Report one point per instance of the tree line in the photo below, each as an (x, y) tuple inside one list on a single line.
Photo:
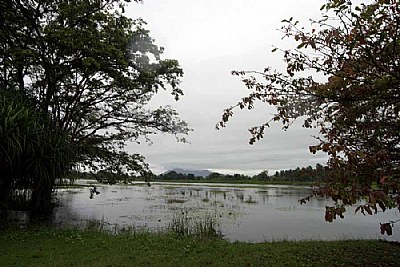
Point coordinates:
[(303, 174), (300, 174)]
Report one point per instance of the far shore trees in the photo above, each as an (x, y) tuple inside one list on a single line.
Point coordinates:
[(89, 72), (356, 109)]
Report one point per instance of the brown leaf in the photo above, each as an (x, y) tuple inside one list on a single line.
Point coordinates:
[(328, 216), (381, 205), (357, 209), (386, 227), (372, 199), (368, 209)]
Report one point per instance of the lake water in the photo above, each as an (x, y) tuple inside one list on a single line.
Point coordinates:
[(252, 213)]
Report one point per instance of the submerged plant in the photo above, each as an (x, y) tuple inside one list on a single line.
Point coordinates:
[(250, 200), (175, 200)]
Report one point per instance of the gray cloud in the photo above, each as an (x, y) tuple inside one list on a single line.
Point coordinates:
[(210, 39)]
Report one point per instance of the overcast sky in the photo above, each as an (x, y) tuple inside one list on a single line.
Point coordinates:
[(210, 38)]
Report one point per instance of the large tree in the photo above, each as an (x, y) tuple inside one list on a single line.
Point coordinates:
[(344, 79), (92, 71)]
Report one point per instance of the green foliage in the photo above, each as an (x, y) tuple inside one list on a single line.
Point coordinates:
[(262, 176), (32, 153), (215, 176), (94, 71), (173, 175), (304, 174), (356, 109), (89, 73)]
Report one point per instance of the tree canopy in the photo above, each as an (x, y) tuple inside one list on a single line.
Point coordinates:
[(344, 79), (92, 72)]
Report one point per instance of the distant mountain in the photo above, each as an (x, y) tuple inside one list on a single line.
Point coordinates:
[(202, 173)]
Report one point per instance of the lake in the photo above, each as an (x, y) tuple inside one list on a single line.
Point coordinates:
[(251, 213)]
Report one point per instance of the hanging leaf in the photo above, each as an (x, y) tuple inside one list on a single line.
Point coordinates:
[(386, 228)]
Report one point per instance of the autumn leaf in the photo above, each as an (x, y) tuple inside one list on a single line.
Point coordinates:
[(386, 228)]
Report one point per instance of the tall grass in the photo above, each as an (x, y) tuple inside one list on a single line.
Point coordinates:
[(200, 226)]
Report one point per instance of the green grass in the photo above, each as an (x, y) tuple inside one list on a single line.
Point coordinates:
[(69, 247)]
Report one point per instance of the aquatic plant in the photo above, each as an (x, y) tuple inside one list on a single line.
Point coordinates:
[(175, 200), (250, 200), (206, 199), (200, 226)]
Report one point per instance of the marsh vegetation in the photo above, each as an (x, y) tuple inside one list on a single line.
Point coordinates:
[(253, 213)]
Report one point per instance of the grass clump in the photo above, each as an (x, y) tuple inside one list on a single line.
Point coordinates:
[(203, 227)]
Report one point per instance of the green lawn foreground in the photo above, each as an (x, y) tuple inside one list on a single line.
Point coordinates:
[(72, 247)]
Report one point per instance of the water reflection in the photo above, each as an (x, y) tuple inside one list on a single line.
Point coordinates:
[(246, 213)]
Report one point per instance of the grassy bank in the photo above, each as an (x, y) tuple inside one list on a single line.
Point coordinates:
[(69, 247)]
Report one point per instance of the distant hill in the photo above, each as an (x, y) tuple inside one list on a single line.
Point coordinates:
[(202, 173)]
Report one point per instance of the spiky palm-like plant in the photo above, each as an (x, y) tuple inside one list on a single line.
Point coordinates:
[(32, 153)]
